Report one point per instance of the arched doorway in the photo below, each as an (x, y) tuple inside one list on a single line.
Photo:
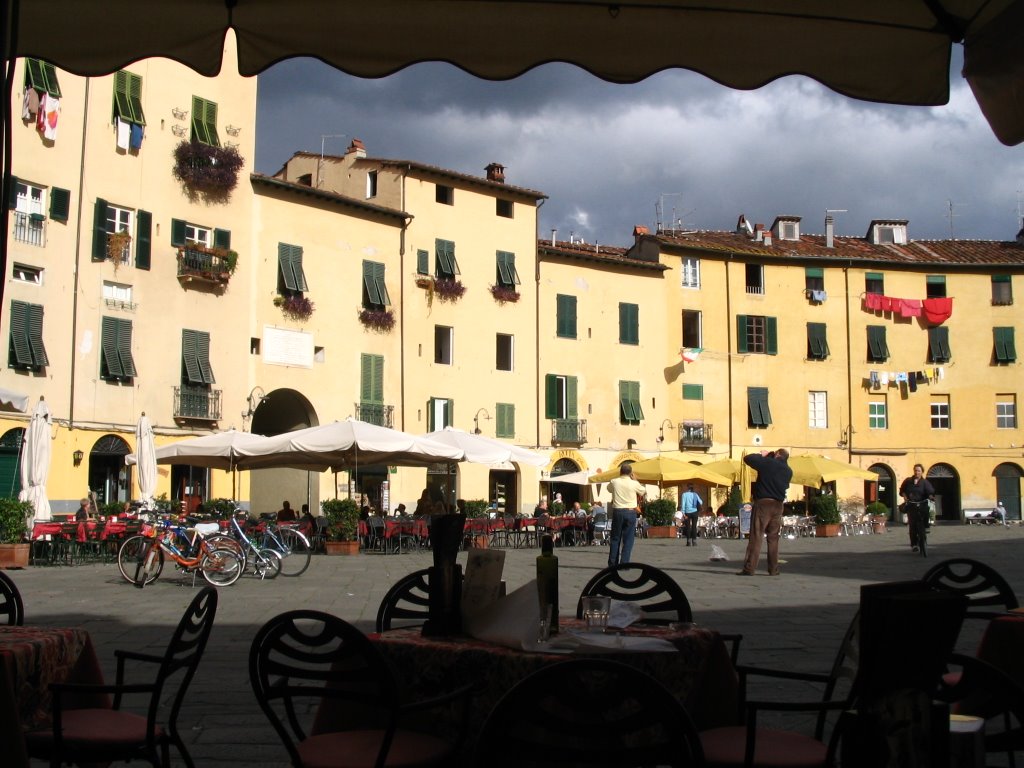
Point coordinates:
[(570, 492), (280, 411), (1008, 489), (10, 462), (946, 482), (109, 478), (884, 490)]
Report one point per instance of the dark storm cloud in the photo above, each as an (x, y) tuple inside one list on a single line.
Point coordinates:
[(676, 148)]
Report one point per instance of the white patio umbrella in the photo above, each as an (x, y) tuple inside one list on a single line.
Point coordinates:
[(345, 445), (217, 451), (35, 461), (13, 401), (145, 457), (486, 450), (572, 478)]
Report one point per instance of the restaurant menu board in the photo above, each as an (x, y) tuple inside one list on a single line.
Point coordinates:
[(481, 586)]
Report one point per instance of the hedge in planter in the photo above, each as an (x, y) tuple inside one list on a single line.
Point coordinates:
[(14, 517), (659, 515)]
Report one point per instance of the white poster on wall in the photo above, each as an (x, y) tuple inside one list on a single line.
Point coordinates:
[(286, 347)]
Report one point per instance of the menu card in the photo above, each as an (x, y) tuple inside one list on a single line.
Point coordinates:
[(481, 586)]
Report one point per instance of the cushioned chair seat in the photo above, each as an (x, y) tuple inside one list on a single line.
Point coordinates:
[(724, 748), (355, 749), (106, 729)]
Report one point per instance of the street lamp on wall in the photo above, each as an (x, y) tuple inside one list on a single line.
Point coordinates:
[(476, 420), (661, 429), (77, 457)]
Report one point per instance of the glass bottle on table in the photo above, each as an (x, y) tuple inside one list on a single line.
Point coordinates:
[(547, 581)]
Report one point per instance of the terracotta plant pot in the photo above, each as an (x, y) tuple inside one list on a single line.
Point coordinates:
[(341, 547), (661, 532), (14, 555), (828, 529)]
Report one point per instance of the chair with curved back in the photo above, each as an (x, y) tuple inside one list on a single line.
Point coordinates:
[(10, 602), (102, 735), (407, 603), (988, 594), (310, 662), (662, 599), (588, 712)]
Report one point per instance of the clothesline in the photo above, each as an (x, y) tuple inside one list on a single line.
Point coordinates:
[(905, 380), (936, 310)]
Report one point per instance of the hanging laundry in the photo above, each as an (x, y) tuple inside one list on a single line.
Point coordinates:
[(884, 378), (912, 382), (872, 302), (886, 303), (910, 307), (941, 371), (690, 354), (30, 104), (819, 296), (49, 111), (137, 132), (123, 131), (873, 378), (937, 311), (901, 377)]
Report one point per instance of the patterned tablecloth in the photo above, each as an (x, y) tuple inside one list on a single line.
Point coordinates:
[(699, 671), (30, 659)]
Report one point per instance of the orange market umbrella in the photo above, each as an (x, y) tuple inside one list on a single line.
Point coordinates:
[(665, 472), (815, 471)]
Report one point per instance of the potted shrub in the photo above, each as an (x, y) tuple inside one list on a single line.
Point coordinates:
[(14, 548), (476, 532), (342, 526), (826, 514), (659, 514), (879, 514)]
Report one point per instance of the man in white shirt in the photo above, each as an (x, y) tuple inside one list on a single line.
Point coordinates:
[(626, 493)]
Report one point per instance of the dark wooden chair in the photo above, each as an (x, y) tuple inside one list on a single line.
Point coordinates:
[(588, 712), (95, 735), (311, 662), (988, 594), (11, 605), (661, 598), (407, 603)]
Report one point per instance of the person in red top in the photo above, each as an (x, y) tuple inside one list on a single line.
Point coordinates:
[(286, 514)]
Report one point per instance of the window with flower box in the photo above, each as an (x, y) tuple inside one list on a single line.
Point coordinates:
[(204, 122)]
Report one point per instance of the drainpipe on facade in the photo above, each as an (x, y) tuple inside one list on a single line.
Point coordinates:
[(536, 321), (78, 258), (849, 369), (401, 320), (728, 347)]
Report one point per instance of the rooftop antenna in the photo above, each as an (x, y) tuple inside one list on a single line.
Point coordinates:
[(950, 215), (323, 140), (675, 224)]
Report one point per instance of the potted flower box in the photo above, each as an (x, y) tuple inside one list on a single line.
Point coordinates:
[(342, 526)]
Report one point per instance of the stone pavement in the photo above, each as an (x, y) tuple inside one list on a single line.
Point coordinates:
[(794, 621)]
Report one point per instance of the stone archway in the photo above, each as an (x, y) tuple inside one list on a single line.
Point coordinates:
[(946, 481), (885, 490), (280, 411), (1008, 478), (569, 493)]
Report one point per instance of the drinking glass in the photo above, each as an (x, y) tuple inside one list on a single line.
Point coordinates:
[(595, 612)]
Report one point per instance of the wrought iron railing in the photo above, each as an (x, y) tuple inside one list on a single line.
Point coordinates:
[(376, 413), (569, 431), (197, 403), (29, 227)]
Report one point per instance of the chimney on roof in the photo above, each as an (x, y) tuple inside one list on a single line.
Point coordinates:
[(639, 231), (356, 148), (767, 237), (758, 233), (743, 226), (830, 231), (496, 172)]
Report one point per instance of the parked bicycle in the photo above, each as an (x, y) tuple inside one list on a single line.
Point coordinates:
[(264, 561), (141, 558), (287, 540)]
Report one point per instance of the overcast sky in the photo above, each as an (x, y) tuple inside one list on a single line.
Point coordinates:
[(610, 156)]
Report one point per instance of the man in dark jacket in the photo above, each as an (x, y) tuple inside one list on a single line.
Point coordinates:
[(773, 478)]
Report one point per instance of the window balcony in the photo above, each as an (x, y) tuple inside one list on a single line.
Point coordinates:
[(568, 431), (29, 228), (206, 265), (376, 413), (695, 434), (197, 403)]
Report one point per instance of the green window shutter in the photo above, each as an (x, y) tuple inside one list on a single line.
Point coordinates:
[(143, 239), (878, 350), (99, 230), (757, 404), (817, 341), (693, 391), (507, 274), (382, 288), (135, 98), (222, 239), (42, 76), (124, 347), (109, 348), (188, 356), (741, 334), (20, 351), (50, 75), (371, 378), (422, 262), (204, 121), (626, 415), (449, 413), (634, 398), (431, 426), (935, 280), (570, 397), (874, 276), (12, 194), (35, 335), (60, 204), (938, 344), (1000, 278), (505, 415), (122, 107), (370, 285), (1006, 351), (551, 396), (445, 265), (771, 335), (203, 356), (289, 258), (177, 233), (210, 118), (814, 272), (565, 310), (629, 323)]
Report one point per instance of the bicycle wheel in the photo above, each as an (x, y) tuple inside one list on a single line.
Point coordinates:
[(149, 565), (225, 541), (221, 567), (296, 554), (266, 563), (129, 553)]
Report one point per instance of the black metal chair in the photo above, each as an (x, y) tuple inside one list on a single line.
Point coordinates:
[(333, 701), (988, 594), (588, 712), (10, 602), (661, 598), (96, 735), (407, 603)]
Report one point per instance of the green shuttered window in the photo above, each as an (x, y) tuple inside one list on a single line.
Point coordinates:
[(289, 259), (26, 348), (629, 323), (128, 98), (817, 341), (757, 406), (630, 411), (195, 354), (1005, 350), (878, 350), (505, 418), (565, 316), (507, 277), (938, 345), (375, 292), (204, 122), (116, 361)]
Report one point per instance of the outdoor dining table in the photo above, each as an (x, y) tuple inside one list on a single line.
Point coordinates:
[(30, 659), (699, 672)]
